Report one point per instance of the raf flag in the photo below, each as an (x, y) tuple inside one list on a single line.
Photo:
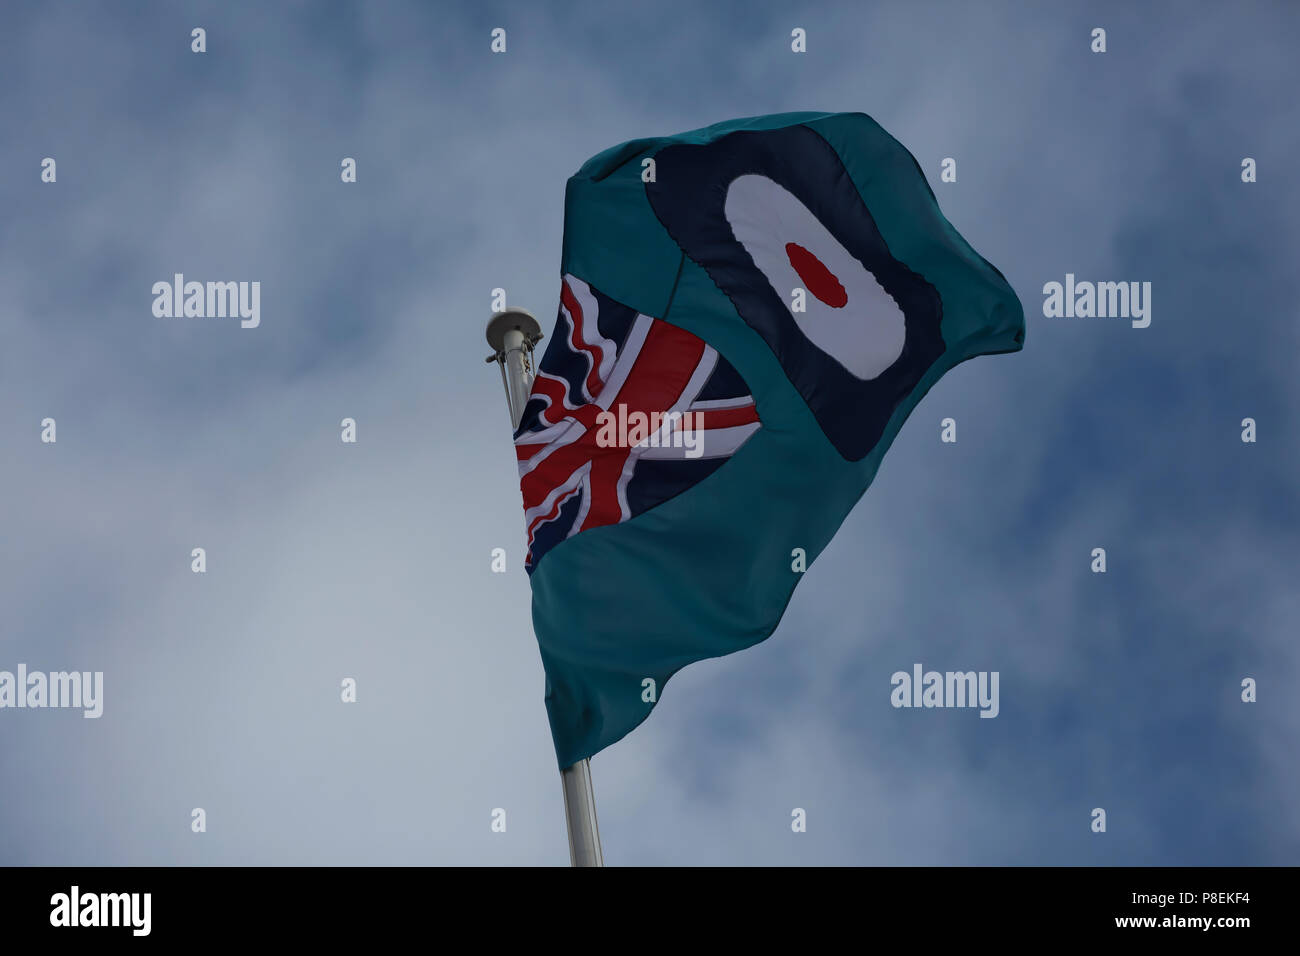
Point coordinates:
[(748, 314)]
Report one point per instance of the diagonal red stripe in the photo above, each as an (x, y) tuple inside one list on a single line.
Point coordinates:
[(594, 384)]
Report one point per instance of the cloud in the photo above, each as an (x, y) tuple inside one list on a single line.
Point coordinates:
[(372, 561)]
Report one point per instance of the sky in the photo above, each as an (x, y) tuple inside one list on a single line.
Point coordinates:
[(371, 560)]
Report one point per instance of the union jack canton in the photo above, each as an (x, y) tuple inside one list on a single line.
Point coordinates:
[(606, 363)]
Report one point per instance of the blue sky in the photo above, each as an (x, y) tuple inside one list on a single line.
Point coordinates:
[(372, 561)]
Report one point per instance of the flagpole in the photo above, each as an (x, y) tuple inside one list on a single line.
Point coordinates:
[(512, 335)]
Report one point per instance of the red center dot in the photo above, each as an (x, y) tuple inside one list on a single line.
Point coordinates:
[(819, 280)]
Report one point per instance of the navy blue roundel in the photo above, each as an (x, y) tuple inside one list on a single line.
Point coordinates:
[(767, 212)]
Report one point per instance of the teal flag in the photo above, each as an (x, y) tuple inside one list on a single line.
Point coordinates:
[(748, 314)]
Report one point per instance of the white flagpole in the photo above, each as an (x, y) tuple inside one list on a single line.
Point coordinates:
[(512, 335)]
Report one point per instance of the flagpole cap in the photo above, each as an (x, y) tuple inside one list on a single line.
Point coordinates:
[(512, 320)]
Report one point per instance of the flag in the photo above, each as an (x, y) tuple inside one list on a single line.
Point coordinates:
[(748, 314)]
